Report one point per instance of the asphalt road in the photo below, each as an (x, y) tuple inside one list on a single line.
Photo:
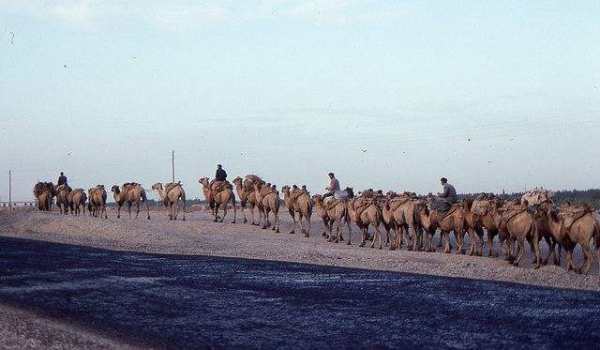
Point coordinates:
[(211, 302)]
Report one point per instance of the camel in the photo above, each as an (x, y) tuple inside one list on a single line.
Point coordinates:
[(97, 200), (518, 221), (267, 199), (451, 221), (572, 225), (298, 201), (333, 211), (130, 193), (365, 211), (401, 211), (321, 212), (77, 199), (246, 193), (44, 192), (221, 196), (62, 198), (474, 229), (484, 208), (170, 195)]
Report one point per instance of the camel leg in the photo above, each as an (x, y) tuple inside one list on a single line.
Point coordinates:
[(293, 215), (459, 234), (118, 211), (378, 232), (446, 239), (490, 244), (276, 213), (129, 209), (535, 245), (589, 258), (234, 211), (349, 233), (137, 209), (104, 210), (307, 230), (325, 223), (224, 211), (520, 251)]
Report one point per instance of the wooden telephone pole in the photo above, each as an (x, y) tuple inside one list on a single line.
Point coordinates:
[(173, 166)]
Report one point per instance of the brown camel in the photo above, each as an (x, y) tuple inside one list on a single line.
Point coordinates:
[(451, 221), (77, 199), (334, 212), (267, 200), (44, 192), (221, 196), (97, 199), (247, 195), (485, 210), (298, 201), (474, 229), (401, 210), (572, 225), (518, 221), (170, 195), (321, 212), (130, 193), (364, 211), (62, 198)]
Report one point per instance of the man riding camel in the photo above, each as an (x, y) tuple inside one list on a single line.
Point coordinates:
[(217, 182), (447, 197), (62, 179), (334, 186)]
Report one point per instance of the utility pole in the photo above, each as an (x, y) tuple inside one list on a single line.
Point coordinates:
[(10, 191), (173, 166)]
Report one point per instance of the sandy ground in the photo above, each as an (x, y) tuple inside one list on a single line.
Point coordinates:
[(20, 330), (200, 236)]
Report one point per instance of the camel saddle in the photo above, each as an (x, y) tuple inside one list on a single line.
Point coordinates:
[(398, 201), (218, 186), (331, 202), (573, 214)]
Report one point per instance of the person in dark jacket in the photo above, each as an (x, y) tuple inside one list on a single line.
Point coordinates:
[(62, 179), (221, 174), (447, 197)]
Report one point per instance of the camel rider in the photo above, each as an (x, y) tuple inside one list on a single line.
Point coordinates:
[(62, 179), (447, 197), (334, 186), (215, 184)]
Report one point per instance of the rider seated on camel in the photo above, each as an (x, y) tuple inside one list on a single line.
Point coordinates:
[(219, 180), (334, 186), (447, 197)]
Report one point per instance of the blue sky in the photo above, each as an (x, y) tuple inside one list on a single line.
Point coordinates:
[(502, 95)]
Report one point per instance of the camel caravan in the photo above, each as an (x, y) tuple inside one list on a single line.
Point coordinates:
[(395, 220)]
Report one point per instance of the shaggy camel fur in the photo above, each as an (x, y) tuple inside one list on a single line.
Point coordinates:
[(267, 200), (171, 194), (97, 201), (130, 193), (298, 201), (77, 199), (221, 197), (247, 195)]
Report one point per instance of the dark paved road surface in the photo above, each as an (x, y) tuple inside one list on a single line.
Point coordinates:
[(199, 302)]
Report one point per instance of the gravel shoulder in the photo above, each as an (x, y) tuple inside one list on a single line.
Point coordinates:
[(200, 236), (22, 330)]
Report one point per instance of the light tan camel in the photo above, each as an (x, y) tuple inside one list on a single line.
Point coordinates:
[(62, 198), (451, 221), (44, 192), (364, 211), (247, 195), (572, 225), (97, 200), (267, 199), (333, 212), (401, 210), (170, 195), (221, 196), (130, 193), (474, 229), (485, 208), (518, 221), (298, 201), (77, 199)]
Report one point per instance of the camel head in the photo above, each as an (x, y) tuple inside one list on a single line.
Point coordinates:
[(318, 199), (237, 181), (115, 189), (286, 190), (157, 187), (204, 181)]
